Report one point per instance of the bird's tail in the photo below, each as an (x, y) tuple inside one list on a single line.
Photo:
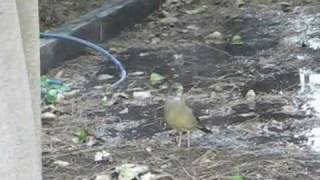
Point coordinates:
[(204, 129)]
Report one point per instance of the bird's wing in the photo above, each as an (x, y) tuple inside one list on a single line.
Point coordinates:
[(195, 119), (198, 123)]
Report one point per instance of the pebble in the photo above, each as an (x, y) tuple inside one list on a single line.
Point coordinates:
[(102, 156), (124, 111), (169, 20), (142, 94), (48, 116), (240, 3), (103, 177), (138, 73), (72, 93), (61, 163), (104, 77), (193, 27), (251, 95), (215, 37)]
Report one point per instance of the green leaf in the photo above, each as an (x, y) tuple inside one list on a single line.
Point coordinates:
[(238, 177), (236, 39), (126, 173), (156, 78), (104, 100), (52, 89), (83, 135), (52, 95)]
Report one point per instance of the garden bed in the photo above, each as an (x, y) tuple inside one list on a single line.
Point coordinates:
[(219, 51)]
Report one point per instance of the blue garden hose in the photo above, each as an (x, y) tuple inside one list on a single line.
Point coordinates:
[(123, 73)]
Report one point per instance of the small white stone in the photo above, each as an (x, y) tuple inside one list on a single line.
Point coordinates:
[(60, 98), (103, 177), (131, 171), (48, 116), (155, 40), (72, 93), (169, 20), (104, 77), (91, 141), (98, 87), (314, 43), (138, 73), (61, 163), (178, 56), (251, 95), (193, 27), (148, 176), (102, 156), (215, 37), (143, 54), (124, 111), (142, 94), (149, 149)]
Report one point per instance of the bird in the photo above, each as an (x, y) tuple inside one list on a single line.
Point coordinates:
[(179, 116)]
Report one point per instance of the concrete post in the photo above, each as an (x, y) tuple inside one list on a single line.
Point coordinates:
[(19, 91)]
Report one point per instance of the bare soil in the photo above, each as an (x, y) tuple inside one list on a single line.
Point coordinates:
[(264, 138), (54, 13)]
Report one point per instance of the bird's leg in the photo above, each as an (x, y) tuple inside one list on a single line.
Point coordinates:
[(188, 139), (180, 137)]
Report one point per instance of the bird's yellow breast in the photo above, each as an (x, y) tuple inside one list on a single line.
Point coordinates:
[(178, 115)]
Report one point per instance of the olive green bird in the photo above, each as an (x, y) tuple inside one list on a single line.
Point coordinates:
[(178, 115)]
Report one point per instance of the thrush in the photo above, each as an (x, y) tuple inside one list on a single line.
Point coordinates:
[(179, 116)]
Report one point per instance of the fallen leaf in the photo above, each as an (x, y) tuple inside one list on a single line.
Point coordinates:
[(156, 78), (236, 39), (198, 10), (238, 177), (83, 135)]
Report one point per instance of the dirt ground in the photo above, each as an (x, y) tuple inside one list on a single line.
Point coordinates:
[(57, 12), (219, 50)]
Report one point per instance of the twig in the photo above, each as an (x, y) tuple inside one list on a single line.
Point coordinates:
[(216, 49)]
